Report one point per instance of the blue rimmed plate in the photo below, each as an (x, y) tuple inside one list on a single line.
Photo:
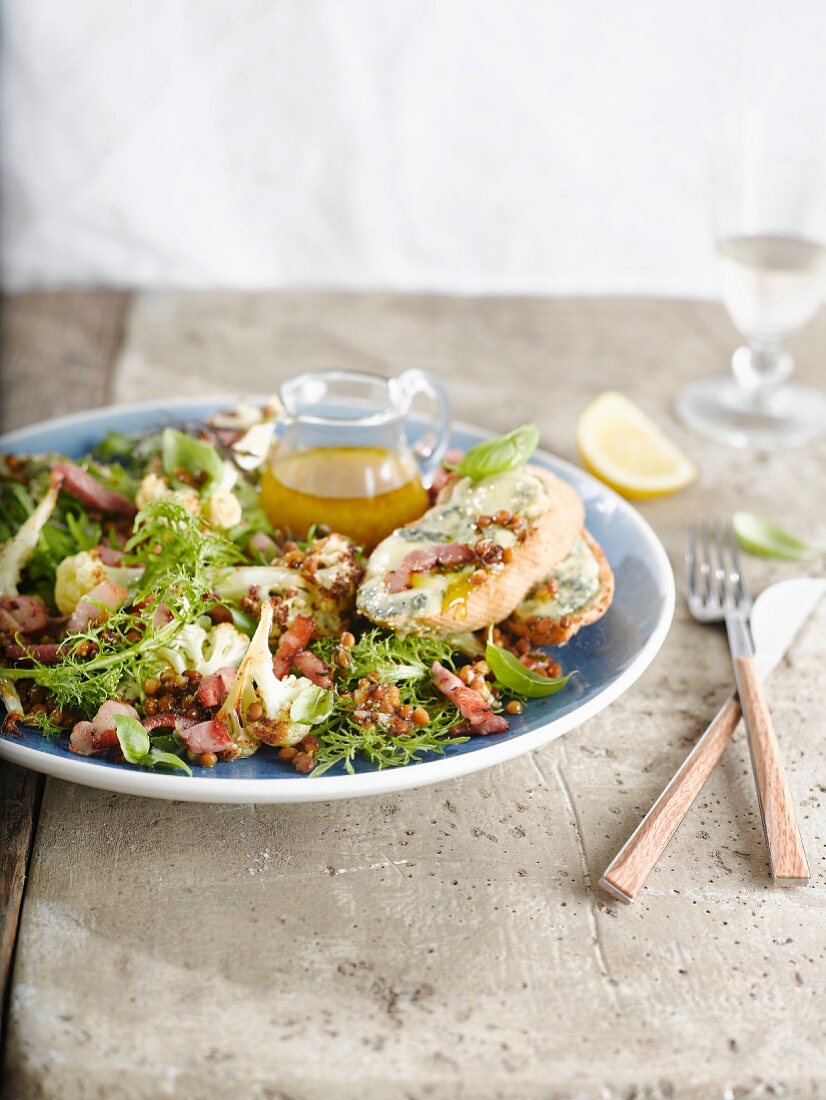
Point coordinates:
[(609, 656)]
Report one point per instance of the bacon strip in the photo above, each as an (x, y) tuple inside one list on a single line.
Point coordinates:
[(213, 689), (47, 653), (312, 666), (108, 593), (425, 559), (470, 703), (90, 492), (168, 720), (211, 736), (291, 643), (23, 614)]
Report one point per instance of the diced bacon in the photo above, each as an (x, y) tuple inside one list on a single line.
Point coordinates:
[(47, 653), (212, 736), (105, 717), (97, 736), (213, 689), (85, 740), (291, 642), (443, 475), (90, 492), (23, 614), (312, 666), (425, 559), (168, 720), (108, 593), (470, 703)]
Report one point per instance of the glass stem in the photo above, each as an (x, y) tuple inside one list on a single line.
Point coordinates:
[(761, 366)]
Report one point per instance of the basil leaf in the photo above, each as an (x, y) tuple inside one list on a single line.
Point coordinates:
[(769, 540), (183, 452), (505, 452), (515, 678), (168, 759), (165, 742), (312, 706), (133, 738)]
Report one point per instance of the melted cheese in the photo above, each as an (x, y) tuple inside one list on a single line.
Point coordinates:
[(453, 520), (578, 579)]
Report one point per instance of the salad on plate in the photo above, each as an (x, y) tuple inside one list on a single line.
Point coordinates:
[(152, 612)]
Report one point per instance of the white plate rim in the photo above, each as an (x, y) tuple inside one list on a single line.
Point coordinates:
[(149, 784)]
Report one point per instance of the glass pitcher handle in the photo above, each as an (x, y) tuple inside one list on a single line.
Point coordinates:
[(430, 447)]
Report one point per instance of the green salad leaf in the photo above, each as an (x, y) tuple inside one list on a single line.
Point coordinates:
[(769, 540), (133, 738), (505, 452), (169, 760), (184, 452), (516, 679), (138, 749), (312, 706)]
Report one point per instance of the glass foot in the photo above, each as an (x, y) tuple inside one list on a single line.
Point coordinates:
[(719, 408)]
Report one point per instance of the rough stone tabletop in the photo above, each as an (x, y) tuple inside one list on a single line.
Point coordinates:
[(451, 941)]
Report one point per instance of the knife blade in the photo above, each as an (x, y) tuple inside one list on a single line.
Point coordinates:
[(778, 614)]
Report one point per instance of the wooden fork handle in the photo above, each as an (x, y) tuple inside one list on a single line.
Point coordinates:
[(787, 859), (632, 865)]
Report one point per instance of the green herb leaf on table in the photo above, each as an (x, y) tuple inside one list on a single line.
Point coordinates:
[(769, 540), (183, 452), (516, 679), (505, 452), (133, 738), (313, 705)]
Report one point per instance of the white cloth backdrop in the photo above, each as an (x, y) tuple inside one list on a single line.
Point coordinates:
[(459, 145)]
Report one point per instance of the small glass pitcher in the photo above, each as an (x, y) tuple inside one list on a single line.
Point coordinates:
[(344, 459)]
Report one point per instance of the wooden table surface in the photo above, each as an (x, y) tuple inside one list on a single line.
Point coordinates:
[(450, 941)]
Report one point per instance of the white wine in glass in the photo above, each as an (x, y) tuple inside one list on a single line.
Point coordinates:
[(770, 220)]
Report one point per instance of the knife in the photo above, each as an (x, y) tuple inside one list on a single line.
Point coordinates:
[(778, 614)]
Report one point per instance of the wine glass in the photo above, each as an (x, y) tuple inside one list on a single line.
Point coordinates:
[(769, 208)]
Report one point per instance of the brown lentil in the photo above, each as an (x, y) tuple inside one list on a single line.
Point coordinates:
[(420, 717), (347, 639), (514, 707), (208, 759)]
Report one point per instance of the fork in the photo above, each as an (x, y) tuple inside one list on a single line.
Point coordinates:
[(716, 593)]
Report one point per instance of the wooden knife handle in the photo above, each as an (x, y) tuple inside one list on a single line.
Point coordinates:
[(632, 865), (787, 859)]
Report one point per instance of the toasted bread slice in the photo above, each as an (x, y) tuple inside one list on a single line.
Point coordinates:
[(551, 612), (442, 598)]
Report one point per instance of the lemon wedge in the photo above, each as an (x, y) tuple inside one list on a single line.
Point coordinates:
[(622, 447)]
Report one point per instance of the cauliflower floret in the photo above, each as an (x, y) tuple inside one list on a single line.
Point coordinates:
[(155, 487), (223, 509), (284, 701), (205, 651), (80, 573), (324, 587), (16, 551)]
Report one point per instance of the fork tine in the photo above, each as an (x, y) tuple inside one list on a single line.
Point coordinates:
[(691, 559), (705, 562), (737, 573), (724, 574)]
